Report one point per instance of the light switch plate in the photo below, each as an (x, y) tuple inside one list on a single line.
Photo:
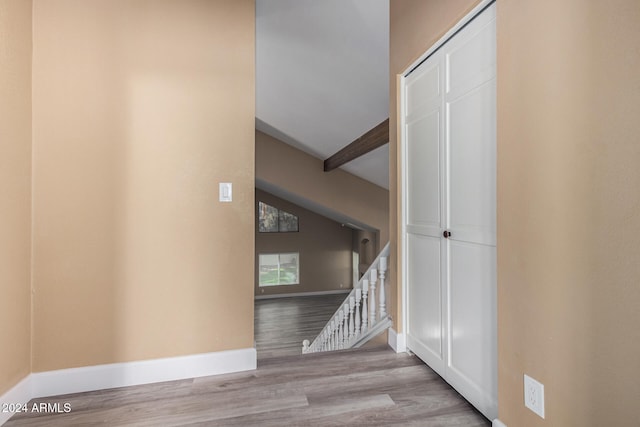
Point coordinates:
[(226, 192)]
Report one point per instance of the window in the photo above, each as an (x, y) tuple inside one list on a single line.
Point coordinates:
[(273, 220), (268, 217), (279, 269), (287, 222)]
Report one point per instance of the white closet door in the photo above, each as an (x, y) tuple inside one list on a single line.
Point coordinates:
[(450, 167), (470, 100), (425, 212)]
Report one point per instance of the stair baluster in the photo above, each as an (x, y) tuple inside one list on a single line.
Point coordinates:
[(340, 329), (345, 326), (327, 338), (382, 265), (352, 326), (334, 334), (357, 311), (372, 305), (365, 298), (359, 318)]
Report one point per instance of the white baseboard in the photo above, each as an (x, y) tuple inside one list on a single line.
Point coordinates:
[(397, 341), (20, 393), (498, 423), (89, 378), (304, 294), (76, 380)]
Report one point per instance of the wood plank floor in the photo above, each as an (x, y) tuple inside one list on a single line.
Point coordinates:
[(281, 324), (370, 386)]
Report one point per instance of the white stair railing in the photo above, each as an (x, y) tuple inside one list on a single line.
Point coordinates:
[(358, 318)]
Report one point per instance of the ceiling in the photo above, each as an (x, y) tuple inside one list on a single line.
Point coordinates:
[(322, 76)]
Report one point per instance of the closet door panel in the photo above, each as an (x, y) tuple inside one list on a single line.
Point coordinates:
[(472, 323), (424, 215), (424, 87), (423, 182), (425, 301), (424, 141), (471, 59), (472, 165)]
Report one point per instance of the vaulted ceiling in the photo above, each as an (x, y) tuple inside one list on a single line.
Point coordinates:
[(322, 76)]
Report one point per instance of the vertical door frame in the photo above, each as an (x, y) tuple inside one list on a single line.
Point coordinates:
[(402, 244)]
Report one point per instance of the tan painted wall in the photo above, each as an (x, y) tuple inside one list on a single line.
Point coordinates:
[(140, 110), (365, 244), (15, 191), (299, 173), (568, 179), (415, 25), (324, 246), (568, 210)]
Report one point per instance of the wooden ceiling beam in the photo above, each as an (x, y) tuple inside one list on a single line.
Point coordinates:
[(374, 138)]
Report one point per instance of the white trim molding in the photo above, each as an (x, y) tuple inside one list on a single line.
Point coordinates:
[(304, 294), (76, 380), (18, 394), (498, 423), (397, 341), (99, 377)]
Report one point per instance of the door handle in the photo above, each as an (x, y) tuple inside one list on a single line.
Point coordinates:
[(446, 234)]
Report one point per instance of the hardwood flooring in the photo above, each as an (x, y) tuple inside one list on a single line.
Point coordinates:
[(372, 386), (281, 324)]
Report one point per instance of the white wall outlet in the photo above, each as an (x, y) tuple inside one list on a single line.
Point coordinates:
[(534, 395)]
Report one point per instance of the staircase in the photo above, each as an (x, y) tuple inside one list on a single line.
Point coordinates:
[(362, 315)]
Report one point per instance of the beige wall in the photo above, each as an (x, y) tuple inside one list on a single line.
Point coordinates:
[(140, 110), (365, 244), (415, 25), (324, 246), (568, 179), (568, 210), (15, 191), (301, 174)]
